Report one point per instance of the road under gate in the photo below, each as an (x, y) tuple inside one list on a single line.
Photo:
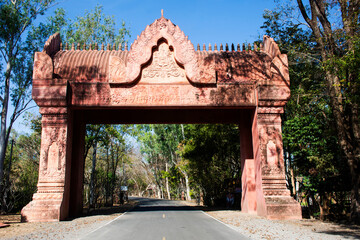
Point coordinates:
[(157, 219)]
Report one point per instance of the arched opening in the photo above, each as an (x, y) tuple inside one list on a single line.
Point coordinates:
[(241, 117)]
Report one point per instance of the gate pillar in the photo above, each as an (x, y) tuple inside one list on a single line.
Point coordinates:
[(273, 197), (51, 201), (248, 183)]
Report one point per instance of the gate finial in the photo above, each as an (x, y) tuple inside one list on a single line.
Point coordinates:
[(162, 13)]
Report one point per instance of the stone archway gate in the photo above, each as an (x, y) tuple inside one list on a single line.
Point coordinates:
[(161, 79)]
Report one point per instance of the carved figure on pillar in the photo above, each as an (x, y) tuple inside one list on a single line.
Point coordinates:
[(278, 202), (48, 201)]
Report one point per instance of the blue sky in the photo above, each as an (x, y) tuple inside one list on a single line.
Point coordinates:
[(211, 21), (206, 22)]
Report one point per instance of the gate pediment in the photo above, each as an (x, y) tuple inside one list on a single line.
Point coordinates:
[(160, 33), (161, 69)]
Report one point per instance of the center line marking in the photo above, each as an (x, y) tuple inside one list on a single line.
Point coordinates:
[(164, 217)]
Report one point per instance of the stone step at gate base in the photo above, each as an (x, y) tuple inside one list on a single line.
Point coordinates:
[(42, 210), (282, 207)]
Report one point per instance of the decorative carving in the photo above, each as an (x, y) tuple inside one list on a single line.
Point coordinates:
[(163, 68), (206, 66), (233, 94), (270, 110), (283, 192), (270, 145), (183, 95), (272, 165), (53, 142), (52, 45), (141, 51), (43, 66), (163, 64), (270, 47), (280, 70), (271, 154), (53, 159), (117, 70), (48, 196)]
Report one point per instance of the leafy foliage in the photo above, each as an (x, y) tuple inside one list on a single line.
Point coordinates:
[(213, 152), (16, 48), (312, 141)]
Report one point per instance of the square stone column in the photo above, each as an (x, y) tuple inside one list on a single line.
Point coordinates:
[(274, 200), (248, 183), (51, 201)]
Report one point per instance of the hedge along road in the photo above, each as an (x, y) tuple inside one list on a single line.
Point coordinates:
[(164, 220)]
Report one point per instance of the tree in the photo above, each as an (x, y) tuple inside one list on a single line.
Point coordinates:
[(102, 169), (20, 38), (95, 27), (340, 58), (331, 45), (22, 167), (150, 149), (16, 17), (213, 152), (160, 146)]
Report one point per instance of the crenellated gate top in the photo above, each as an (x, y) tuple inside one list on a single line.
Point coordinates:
[(162, 68)]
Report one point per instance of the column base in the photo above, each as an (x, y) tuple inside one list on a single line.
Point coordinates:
[(282, 207), (43, 208)]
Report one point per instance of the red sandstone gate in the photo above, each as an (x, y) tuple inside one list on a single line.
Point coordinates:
[(162, 79)]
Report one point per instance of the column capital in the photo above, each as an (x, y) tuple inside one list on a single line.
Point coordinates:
[(54, 116)]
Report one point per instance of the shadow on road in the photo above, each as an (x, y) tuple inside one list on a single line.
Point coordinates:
[(136, 204)]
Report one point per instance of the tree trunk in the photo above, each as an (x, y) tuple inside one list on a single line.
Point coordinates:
[(188, 197), (350, 17), (7, 183), (5, 105), (107, 187), (292, 177), (92, 179), (355, 198), (167, 182), (187, 185), (325, 200)]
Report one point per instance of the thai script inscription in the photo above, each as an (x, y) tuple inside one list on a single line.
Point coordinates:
[(154, 100)]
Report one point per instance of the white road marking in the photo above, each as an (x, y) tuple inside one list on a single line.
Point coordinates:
[(232, 227), (106, 223)]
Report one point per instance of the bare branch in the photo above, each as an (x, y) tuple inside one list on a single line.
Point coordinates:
[(303, 12)]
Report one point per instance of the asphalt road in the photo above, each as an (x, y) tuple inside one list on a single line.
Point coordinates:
[(164, 220)]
